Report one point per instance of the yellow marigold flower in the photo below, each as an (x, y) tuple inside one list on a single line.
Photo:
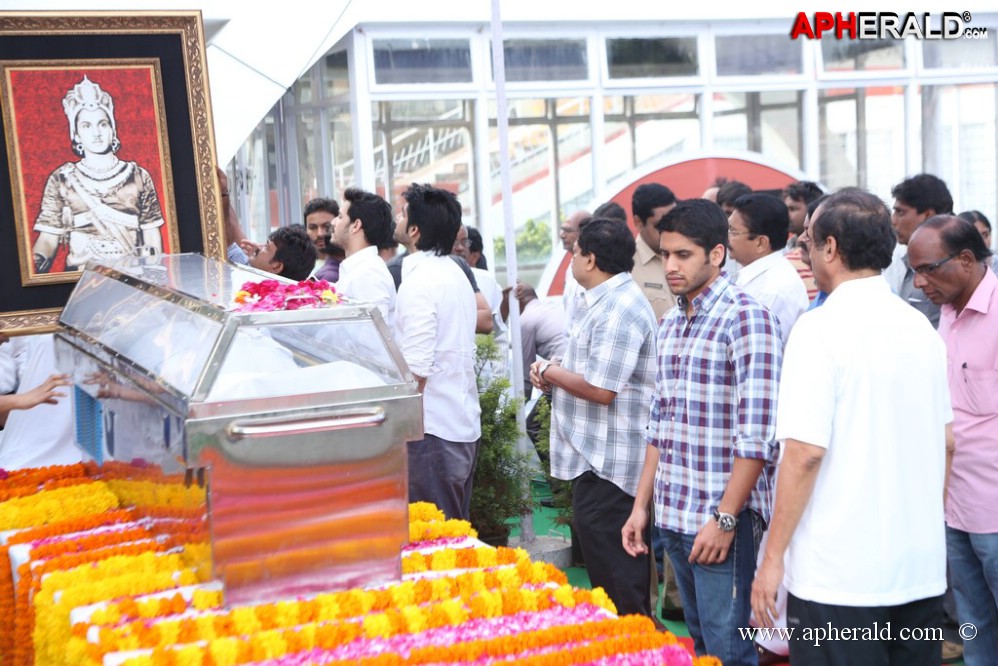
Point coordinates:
[(377, 625), (564, 596), (601, 599), (415, 619), (224, 651), (426, 511), (206, 599)]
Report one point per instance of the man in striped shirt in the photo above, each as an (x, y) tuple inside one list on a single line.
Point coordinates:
[(711, 449)]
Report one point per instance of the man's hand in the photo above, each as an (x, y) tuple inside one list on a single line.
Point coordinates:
[(535, 375), (43, 393), (711, 544), (633, 530), (767, 580), (250, 248)]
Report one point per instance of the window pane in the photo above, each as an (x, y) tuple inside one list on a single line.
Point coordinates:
[(730, 121), (422, 61), (641, 58), (305, 134), (749, 55), (850, 54), (545, 59), (958, 139), (336, 75), (642, 128), (435, 149), (862, 142), (963, 53), (341, 135)]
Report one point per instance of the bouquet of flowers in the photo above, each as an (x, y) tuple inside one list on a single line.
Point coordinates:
[(270, 295)]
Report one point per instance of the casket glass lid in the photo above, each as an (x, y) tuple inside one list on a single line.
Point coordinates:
[(172, 317)]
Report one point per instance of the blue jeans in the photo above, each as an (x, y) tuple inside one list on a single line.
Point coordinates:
[(716, 597), (973, 563)]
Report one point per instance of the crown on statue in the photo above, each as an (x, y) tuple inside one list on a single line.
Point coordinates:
[(86, 95)]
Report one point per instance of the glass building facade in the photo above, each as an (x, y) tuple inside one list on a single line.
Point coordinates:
[(592, 105)]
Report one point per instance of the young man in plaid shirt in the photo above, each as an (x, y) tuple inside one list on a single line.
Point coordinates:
[(710, 451)]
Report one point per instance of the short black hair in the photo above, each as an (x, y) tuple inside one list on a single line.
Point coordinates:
[(923, 192), (321, 203), (374, 213), (974, 216), (803, 190), (437, 215), (861, 225), (294, 250), (813, 205), (731, 190), (700, 220), (957, 235), (475, 244), (765, 215), (649, 196), (611, 210), (610, 242)]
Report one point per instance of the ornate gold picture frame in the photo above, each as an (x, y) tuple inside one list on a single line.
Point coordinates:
[(108, 150)]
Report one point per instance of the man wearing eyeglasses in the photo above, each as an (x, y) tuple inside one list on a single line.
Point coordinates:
[(950, 262), (757, 232), (863, 416), (916, 199)]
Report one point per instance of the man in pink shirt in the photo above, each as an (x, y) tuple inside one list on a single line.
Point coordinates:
[(950, 262)]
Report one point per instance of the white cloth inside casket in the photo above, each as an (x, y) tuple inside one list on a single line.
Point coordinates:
[(257, 366)]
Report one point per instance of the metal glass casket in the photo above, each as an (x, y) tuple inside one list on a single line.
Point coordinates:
[(295, 421)]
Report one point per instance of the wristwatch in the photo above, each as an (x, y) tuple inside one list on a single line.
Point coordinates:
[(544, 368), (725, 521)]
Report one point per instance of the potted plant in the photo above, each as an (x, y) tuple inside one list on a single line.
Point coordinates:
[(500, 490)]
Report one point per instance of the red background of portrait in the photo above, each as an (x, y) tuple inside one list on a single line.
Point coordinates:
[(44, 138)]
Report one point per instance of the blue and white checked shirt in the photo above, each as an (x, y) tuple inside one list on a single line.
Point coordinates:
[(612, 344), (714, 400)]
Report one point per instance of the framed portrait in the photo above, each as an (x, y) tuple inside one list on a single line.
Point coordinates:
[(107, 150)]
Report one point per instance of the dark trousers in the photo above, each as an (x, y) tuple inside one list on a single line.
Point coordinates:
[(905, 635), (442, 472), (601, 509)]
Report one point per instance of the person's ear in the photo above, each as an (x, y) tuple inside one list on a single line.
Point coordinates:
[(276, 267), (717, 255)]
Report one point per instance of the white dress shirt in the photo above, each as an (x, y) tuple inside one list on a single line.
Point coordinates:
[(364, 277), (435, 327), (774, 282)]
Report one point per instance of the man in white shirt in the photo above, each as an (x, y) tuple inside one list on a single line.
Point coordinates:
[(365, 223), (863, 417), (757, 232), (568, 234), (435, 327)]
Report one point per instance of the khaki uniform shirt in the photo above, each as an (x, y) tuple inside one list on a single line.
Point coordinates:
[(649, 273)]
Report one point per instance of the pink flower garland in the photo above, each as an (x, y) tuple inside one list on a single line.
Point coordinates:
[(270, 295)]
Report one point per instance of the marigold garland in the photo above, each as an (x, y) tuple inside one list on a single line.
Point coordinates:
[(423, 530), (425, 511), (60, 504)]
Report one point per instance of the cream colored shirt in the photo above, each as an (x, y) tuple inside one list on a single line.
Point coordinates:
[(649, 273)]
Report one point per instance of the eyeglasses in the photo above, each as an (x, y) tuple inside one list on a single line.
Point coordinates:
[(926, 269), (735, 232), (569, 230), (466, 242)]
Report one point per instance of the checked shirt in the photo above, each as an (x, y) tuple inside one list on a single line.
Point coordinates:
[(715, 399)]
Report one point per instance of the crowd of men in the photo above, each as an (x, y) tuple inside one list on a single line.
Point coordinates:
[(792, 399), (813, 469)]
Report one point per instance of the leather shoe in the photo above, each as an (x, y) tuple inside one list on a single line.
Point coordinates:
[(547, 502), (673, 614)]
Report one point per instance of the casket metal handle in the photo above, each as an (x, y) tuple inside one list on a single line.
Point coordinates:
[(281, 427)]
